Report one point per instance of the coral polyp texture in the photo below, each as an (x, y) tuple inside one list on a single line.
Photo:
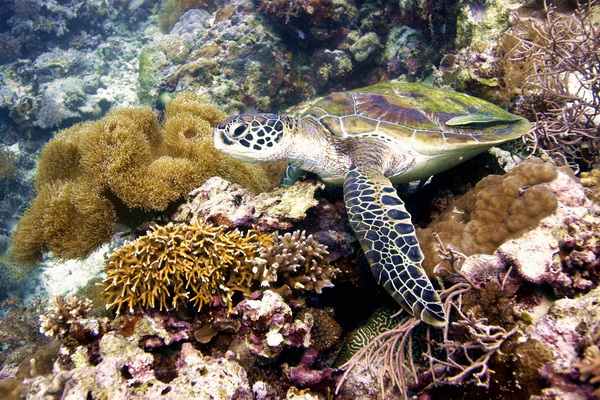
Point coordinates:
[(498, 209), (94, 172), (177, 264)]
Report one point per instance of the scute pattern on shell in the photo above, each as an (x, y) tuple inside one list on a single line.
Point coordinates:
[(421, 112)]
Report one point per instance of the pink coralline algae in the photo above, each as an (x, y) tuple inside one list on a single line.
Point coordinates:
[(568, 327), (128, 371), (268, 325)]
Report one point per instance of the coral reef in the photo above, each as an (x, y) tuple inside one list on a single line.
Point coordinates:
[(196, 263), (87, 173), (224, 203), (227, 308), (569, 326), (126, 370), (19, 332), (73, 61), (501, 320), (498, 209), (268, 325), (177, 264), (382, 320)]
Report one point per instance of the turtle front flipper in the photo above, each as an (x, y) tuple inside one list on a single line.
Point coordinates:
[(388, 238)]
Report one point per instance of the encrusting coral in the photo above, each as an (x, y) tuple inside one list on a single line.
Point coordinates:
[(182, 263), (198, 263), (499, 208), (91, 173)]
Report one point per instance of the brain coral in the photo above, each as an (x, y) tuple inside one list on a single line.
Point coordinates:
[(499, 208), (94, 172), (179, 263)]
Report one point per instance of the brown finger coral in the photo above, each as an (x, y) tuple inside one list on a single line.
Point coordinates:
[(177, 264), (94, 172), (499, 208)]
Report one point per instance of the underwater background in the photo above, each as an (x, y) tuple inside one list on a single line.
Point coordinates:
[(138, 262)]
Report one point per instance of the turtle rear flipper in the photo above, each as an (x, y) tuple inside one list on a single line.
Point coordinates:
[(388, 238)]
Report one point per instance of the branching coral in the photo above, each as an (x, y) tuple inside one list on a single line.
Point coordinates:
[(559, 62), (62, 314), (589, 368), (88, 172), (179, 263), (499, 208), (296, 262), (205, 265)]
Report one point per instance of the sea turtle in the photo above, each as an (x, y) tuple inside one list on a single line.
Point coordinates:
[(367, 139)]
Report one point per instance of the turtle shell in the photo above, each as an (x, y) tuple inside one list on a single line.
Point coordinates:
[(434, 120)]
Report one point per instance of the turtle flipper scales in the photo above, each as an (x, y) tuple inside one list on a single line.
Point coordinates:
[(388, 238)]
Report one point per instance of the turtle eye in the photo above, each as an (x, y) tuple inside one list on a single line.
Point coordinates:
[(239, 130)]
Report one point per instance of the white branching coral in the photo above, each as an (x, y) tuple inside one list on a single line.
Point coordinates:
[(296, 261), (62, 313)]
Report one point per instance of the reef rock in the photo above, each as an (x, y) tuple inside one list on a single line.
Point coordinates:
[(225, 203), (268, 325), (127, 371), (569, 326), (535, 254)]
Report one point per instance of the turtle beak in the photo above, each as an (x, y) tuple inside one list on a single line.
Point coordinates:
[(220, 139)]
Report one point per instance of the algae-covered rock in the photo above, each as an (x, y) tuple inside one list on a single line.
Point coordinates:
[(150, 62), (127, 372), (225, 203)]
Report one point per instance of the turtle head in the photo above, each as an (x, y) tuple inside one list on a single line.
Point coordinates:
[(255, 137)]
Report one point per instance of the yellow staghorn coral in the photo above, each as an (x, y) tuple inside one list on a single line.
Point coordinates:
[(178, 264), (94, 172)]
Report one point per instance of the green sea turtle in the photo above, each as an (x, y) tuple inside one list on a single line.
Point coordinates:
[(367, 139)]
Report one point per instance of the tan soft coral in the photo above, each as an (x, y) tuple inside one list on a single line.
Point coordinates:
[(177, 264), (499, 208), (94, 172)]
